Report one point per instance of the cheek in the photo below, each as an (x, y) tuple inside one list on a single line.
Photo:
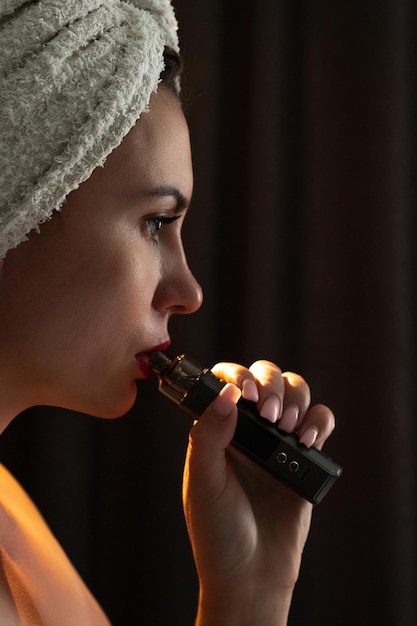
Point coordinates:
[(131, 279), (104, 317), (119, 295), (97, 295)]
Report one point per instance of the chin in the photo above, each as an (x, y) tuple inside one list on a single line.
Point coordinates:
[(114, 410)]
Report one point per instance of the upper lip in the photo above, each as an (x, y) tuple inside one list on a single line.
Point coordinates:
[(159, 348)]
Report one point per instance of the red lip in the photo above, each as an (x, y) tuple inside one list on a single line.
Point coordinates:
[(143, 361), (160, 348)]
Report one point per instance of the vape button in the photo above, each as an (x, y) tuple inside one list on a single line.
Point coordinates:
[(281, 457), (293, 466)]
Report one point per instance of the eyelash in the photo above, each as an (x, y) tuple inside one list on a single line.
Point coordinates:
[(155, 224)]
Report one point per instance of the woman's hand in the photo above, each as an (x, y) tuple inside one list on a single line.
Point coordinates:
[(247, 529)]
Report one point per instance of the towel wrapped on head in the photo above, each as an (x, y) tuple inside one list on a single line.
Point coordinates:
[(74, 78)]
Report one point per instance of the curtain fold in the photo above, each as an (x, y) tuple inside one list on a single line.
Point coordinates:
[(301, 232)]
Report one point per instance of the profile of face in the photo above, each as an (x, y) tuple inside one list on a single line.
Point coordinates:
[(99, 283)]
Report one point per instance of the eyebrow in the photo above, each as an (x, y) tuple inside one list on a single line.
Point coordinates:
[(166, 191)]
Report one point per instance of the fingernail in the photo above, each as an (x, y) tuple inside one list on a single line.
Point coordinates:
[(309, 436), (271, 409), (226, 401), (289, 418), (250, 390)]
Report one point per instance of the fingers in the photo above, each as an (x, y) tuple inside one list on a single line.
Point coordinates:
[(279, 397), (282, 398), (317, 426), (261, 383)]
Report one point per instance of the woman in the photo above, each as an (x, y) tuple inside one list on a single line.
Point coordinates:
[(96, 182)]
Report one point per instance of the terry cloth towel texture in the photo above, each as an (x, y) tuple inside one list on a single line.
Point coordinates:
[(75, 75)]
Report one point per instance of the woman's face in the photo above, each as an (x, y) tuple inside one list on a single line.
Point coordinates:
[(99, 283)]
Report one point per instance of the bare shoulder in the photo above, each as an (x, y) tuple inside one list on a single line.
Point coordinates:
[(38, 584)]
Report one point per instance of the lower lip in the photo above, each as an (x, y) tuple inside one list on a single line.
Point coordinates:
[(144, 364)]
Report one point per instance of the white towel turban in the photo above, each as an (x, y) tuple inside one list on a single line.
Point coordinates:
[(75, 75)]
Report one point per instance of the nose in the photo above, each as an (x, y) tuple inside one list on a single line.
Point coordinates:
[(178, 291)]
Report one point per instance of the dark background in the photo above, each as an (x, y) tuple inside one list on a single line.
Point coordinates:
[(302, 234)]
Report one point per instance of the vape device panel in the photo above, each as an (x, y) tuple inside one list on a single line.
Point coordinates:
[(308, 471)]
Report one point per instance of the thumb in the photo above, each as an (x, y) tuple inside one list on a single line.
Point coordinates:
[(217, 425), (205, 468)]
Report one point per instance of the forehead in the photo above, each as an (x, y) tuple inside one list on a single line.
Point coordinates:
[(155, 152)]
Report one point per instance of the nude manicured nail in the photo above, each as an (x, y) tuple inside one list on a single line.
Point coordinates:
[(250, 390), (309, 436), (226, 400), (271, 409), (289, 418)]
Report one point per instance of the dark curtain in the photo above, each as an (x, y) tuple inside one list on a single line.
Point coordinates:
[(302, 234)]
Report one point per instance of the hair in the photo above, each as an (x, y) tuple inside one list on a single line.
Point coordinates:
[(170, 75)]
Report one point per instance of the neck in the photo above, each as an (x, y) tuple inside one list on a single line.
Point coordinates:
[(12, 400), (15, 394)]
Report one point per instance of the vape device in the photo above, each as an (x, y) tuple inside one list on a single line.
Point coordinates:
[(307, 471)]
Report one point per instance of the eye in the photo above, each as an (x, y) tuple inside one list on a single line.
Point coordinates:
[(156, 223)]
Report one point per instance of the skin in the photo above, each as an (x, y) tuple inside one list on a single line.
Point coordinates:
[(96, 287)]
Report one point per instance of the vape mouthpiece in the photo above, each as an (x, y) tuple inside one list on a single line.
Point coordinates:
[(159, 362)]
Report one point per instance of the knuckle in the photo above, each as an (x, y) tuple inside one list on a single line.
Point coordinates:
[(265, 365), (295, 380), (266, 372), (326, 420)]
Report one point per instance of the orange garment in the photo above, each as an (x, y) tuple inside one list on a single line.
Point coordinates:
[(38, 584)]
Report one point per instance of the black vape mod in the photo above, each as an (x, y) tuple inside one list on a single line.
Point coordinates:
[(307, 471)]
